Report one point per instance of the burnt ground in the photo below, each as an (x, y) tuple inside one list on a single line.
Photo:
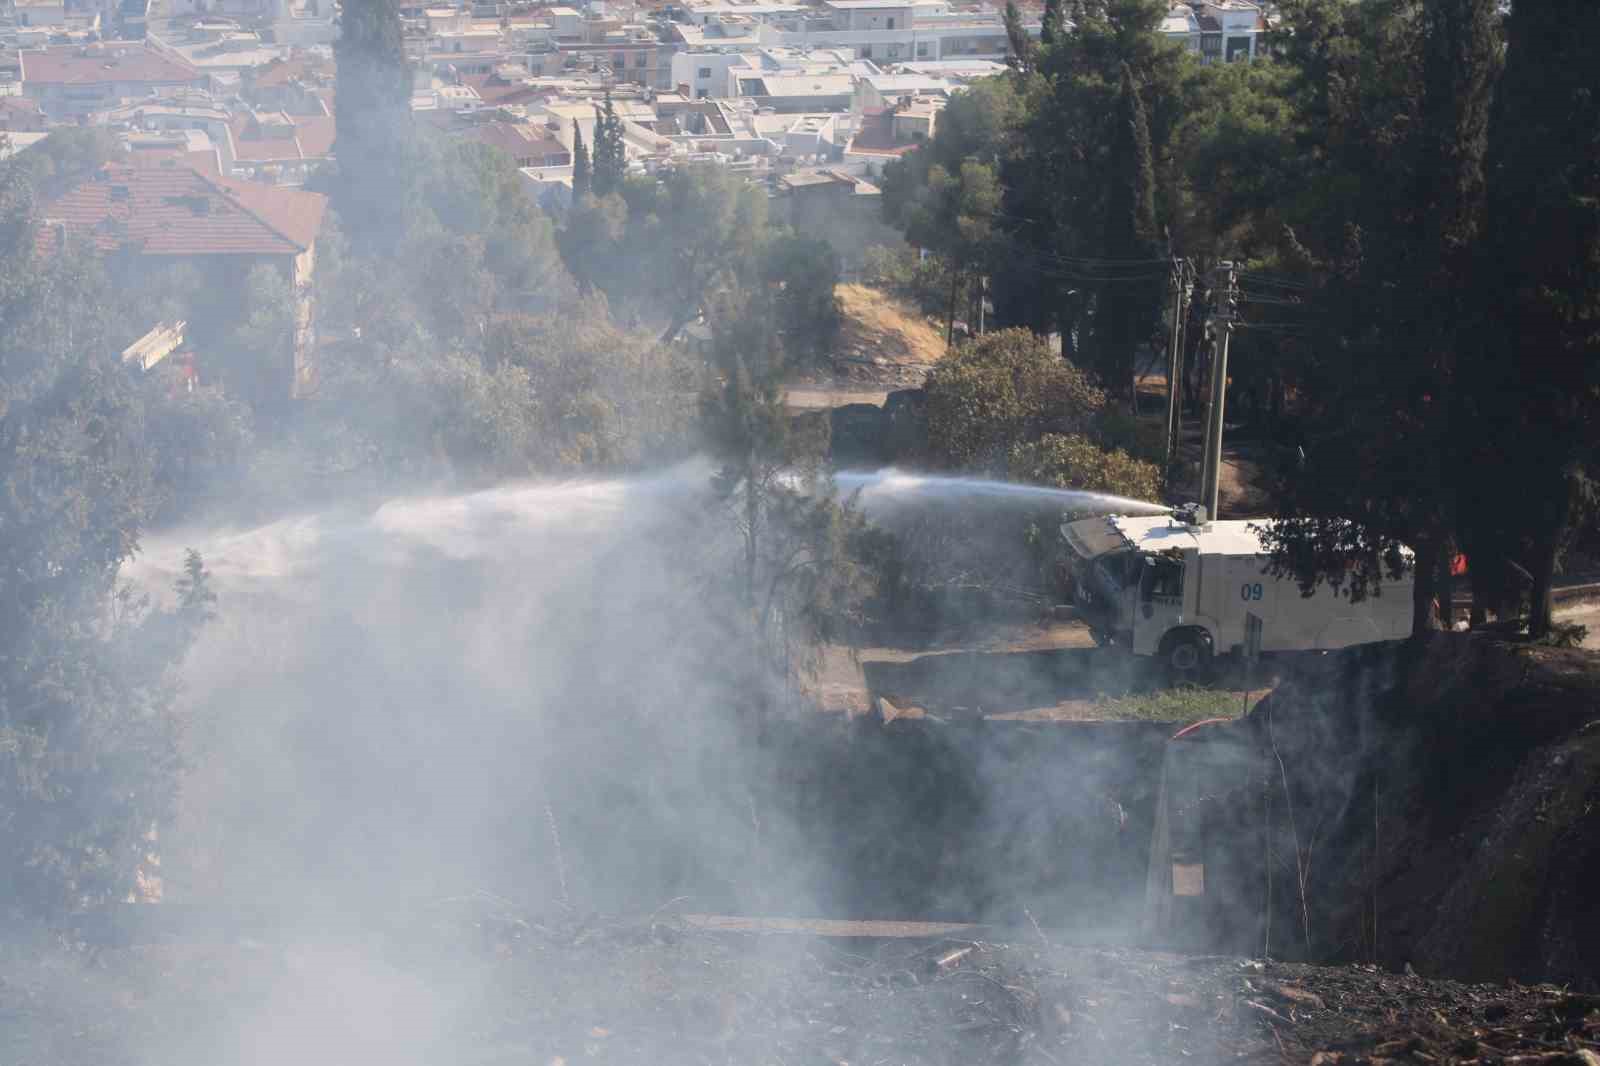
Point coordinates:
[(655, 991), (1439, 806)]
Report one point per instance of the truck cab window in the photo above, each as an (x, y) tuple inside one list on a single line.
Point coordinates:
[(1162, 579)]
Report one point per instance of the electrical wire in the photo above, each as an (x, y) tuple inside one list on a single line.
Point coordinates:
[(1273, 281)]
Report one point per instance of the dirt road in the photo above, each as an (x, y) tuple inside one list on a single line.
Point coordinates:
[(1584, 614)]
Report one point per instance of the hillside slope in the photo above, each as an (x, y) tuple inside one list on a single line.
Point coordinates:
[(882, 340), (1446, 809)]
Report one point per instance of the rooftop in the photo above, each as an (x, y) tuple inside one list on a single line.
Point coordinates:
[(802, 84), (101, 63), (274, 137), (1163, 532), (179, 211), (516, 140)]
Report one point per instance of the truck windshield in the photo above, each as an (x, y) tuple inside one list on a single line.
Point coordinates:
[(1109, 569)]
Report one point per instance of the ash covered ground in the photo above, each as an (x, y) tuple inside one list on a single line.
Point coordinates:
[(496, 989)]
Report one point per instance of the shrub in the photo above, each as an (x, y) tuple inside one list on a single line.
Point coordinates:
[(1076, 462), (1004, 388)]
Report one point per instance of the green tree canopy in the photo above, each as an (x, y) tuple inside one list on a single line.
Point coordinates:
[(1002, 389)]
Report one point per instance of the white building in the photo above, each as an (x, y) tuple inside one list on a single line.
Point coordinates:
[(715, 73), (41, 14), (1217, 31), (877, 30)]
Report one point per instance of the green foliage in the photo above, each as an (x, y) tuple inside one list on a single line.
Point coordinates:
[(923, 281), (1127, 312), (582, 180), (1021, 53), (608, 397), (793, 579), (1141, 438), (803, 271), (1001, 389), (591, 244), (1052, 28), (660, 249), (258, 355), (1530, 379), (1073, 461), (1183, 703), (373, 110), (976, 125), (67, 156), (610, 155), (88, 741), (201, 443), (1394, 155)]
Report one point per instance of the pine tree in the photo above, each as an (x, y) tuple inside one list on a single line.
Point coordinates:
[(580, 165), (610, 157), (1531, 381), (1396, 208), (373, 113)]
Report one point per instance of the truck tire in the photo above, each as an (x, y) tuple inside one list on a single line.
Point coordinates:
[(1186, 654)]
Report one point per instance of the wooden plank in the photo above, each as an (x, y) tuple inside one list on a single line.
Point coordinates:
[(830, 927)]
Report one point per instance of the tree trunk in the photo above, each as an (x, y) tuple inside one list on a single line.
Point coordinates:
[(950, 321), (1446, 592), (1424, 620), (1541, 600), (675, 327), (1546, 546), (752, 513), (1479, 612)]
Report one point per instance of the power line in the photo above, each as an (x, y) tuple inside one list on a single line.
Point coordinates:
[(1273, 301), (1138, 270), (1274, 281)]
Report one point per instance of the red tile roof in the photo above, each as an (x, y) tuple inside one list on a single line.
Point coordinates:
[(116, 61), (180, 211), (283, 71), (493, 89), (311, 137), (520, 142), (167, 158), (316, 135)]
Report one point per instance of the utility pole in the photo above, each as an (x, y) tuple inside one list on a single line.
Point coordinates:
[(1182, 288), (1220, 325)]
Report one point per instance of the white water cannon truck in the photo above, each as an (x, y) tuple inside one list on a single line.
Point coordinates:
[(1184, 590)]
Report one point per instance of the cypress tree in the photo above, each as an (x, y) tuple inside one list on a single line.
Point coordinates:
[(1127, 307), (1020, 55), (610, 158), (373, 114), (1054, 26), (580, 165)]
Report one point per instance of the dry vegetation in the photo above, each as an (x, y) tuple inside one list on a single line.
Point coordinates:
[(882, 339)]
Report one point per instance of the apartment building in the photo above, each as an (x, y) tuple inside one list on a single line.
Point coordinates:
[(876, 30), (1217, 31)]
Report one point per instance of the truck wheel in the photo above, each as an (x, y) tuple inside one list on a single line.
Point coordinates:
[(1187, 655)]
